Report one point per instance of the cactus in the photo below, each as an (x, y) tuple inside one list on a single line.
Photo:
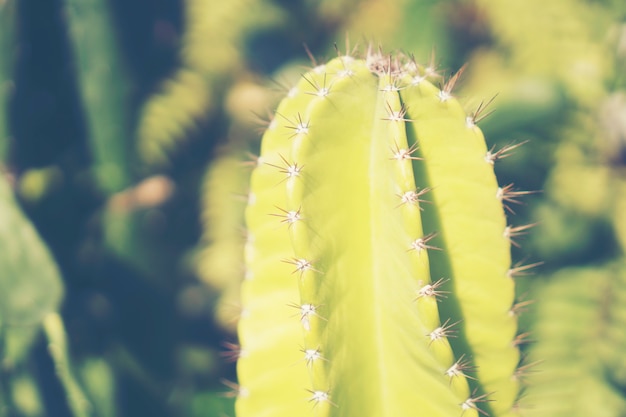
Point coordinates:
[(358, 299), (220, 252), (211, 52)]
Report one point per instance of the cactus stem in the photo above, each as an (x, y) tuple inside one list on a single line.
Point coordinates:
[(352, 236), (491, 157)]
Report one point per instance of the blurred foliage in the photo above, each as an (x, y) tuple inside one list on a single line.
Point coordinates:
[(7, 31), (190, 95), (579, 364), (30, 290), (30, 287), (103, 90), (124, 133)]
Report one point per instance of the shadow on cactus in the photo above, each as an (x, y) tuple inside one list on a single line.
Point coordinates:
[(379, 278)]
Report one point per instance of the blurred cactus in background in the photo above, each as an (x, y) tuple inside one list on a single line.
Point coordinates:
[(126, 135), (211, 54)]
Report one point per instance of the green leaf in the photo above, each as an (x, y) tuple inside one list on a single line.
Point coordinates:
[(30, 284)]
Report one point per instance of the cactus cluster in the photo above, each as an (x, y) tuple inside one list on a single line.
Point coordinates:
[(379, 278)]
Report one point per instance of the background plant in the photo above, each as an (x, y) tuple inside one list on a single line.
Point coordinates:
[(149, 295)]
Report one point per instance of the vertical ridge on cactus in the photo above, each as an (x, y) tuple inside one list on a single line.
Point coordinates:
[(346, 309)]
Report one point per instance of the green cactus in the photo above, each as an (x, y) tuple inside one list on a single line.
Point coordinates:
[(210, 54), (358, 299), (220, 252)]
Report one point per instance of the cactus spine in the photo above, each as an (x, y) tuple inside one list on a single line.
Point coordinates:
[(358, 298)]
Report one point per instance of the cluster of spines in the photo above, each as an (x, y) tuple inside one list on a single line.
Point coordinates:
[(394, 74)]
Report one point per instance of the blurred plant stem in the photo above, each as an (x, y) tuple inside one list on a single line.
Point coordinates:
[(59, 352), (7, 16), (103, 87)]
